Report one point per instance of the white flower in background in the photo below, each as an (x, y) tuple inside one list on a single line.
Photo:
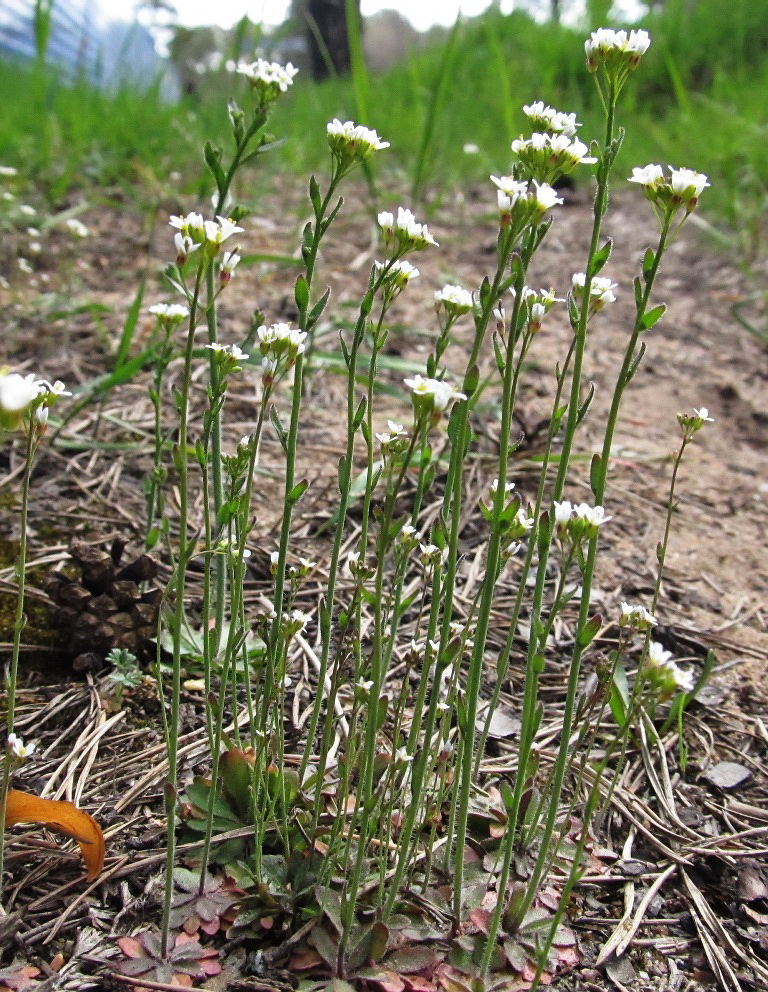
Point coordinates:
[(470, 148), (76, 228), (268, 78), (657, 655), (494, 487), (647, 176), (27, 210), (8, 171), (25, 265)]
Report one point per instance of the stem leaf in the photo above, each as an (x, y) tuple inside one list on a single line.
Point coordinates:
[(651, 316)]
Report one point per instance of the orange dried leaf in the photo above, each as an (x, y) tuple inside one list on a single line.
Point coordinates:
[(60, 815)]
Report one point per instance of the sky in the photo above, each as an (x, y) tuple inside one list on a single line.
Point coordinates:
[(421, 13)]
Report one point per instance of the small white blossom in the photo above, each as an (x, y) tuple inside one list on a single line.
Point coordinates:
[(18, 748), (636, 616), (171, 313), (600, 290), (563, 512), (268, 77), (76, 228), (17, 392)]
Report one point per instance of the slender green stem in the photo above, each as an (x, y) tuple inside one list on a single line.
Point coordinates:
[(18, 626), (186, 549)]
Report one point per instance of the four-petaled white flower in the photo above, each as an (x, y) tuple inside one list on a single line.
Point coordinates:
[(549, 120), (433, 397), (17, 392)]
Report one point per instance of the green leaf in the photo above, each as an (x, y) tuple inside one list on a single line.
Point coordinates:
[(282, 435), (601, 257), (213, 161), (595, 474), (301, 294), (317, 310), (126, 337), (590, 630), (648, 262), (297, 492), (651, 316), (314, 195)]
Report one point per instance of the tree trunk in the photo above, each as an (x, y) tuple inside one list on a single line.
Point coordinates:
[(328, 37)]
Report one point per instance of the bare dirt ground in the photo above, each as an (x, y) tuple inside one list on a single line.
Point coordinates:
[(707, 926)]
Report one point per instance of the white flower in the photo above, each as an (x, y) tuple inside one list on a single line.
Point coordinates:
[(470, 148), (657, 655), (649, 175), (398, 273), (636, 616), (229, 262), (401, 756), (594, 516), (523, 521), (544, 197), (76, 228), (8, 170), (364, 686), (703, 415), (433, 396), (18, 748), (494, 487), (17, 392), (231, 351), (563, 512), (27, 210), (600, 290)]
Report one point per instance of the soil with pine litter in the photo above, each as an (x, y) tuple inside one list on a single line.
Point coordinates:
[(679, 862)]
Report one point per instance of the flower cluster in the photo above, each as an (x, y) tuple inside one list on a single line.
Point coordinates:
[(637, 617), (351, 143), (169, 315), (227, 358), (690, 423), (668, 195), (267, 79), (600, 290), (578, 521), (536, 305), (432, 397), (394, 276), (454, 300), (551, 121), (615, 52), (546, 157), (280, 345), (663, 674), (521, 203), (194, 232), (394, 440), (403, 234)]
